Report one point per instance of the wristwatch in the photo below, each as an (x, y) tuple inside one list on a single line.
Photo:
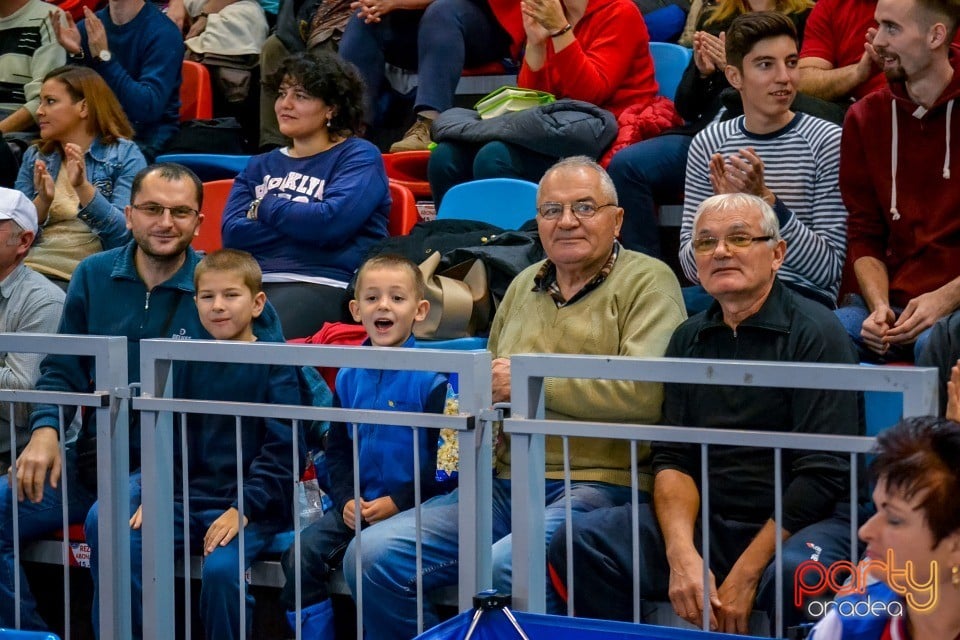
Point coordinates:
[(253, 209), (105, 55)]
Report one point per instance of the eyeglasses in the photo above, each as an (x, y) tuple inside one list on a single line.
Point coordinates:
[(155, 210), (580, 210), (708, 244)]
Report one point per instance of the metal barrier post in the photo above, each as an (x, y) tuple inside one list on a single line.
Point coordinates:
[(475, 517), (528, 493), (113, 490), (157, 499), (109, 354), (526, 425), (920, 398), (473, 369)]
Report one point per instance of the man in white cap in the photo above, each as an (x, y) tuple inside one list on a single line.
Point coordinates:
[(28, 303)]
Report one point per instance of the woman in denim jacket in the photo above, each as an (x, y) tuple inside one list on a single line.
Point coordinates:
[(84, 132)]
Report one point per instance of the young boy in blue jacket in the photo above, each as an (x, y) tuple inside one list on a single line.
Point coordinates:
[(228, 299), (389, 300)]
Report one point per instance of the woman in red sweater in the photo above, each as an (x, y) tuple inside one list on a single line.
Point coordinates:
[(591, 50)]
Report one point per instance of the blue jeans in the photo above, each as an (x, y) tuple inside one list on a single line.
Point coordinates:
[(36, 521), (436, 42), (220, 587), (603, 563), (855, 312), (389, 553), (454, 163), (645, 174)]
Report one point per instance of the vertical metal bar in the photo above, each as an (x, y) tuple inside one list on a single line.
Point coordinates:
[(185, 490), (297, 576), (418, 523), (635, 531), (113, 491), (15, 504), (527, 493), (65, 519), (241, 552), (568, 519), (778, 520), (705, 533), (854, 512), (475, 486), (356, 529), (921, 397), (158, 558)]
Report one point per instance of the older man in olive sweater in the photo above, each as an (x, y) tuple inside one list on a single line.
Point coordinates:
[(590, 297)]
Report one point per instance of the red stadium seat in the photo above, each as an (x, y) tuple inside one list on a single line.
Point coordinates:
[(215, 196), (196, 93), (409, 168), (403, 211)]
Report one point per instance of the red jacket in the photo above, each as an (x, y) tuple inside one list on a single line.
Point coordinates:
[(910, 223), (608, 64)]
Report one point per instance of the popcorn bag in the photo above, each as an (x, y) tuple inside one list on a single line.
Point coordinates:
[(311, 499), (448, 446)]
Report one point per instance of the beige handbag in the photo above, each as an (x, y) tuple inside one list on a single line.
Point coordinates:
[(459, 300)]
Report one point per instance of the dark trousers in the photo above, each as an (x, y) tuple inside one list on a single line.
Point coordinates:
[(454, 163), (647, 174), (603, 565), (322, 545), (436, 42)]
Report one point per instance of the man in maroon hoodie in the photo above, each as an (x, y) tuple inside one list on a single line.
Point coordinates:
[(901, 183)]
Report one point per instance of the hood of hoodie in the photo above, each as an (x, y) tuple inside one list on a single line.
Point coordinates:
[(904, 106)]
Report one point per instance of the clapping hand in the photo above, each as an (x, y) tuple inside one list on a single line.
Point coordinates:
[(96, 33), (740, 172), (542, 18), (709, 52), (75, 164), (68, 35)]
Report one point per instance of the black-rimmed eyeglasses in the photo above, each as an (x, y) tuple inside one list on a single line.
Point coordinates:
[(155, 210)]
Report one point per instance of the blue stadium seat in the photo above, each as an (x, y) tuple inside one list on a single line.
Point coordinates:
[(669, 62), (209, 166), (457, 344), (12, 634), (881, 409), (504, 202)]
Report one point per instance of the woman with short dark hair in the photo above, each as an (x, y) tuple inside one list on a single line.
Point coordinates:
[(913, 541), (310, 212)]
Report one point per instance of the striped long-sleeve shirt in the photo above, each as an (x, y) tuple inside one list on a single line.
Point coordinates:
[(801, 165)]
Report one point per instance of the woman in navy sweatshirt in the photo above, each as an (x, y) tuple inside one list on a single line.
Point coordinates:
[(311, 211)]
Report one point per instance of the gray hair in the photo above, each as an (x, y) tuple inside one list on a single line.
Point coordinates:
[(15, 232), (607, 188), (769, 224)]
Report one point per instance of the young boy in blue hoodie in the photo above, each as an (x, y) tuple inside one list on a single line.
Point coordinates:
[(228, 299), (389, 300)]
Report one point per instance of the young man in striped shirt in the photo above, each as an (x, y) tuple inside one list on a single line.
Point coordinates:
[(789, 159)]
